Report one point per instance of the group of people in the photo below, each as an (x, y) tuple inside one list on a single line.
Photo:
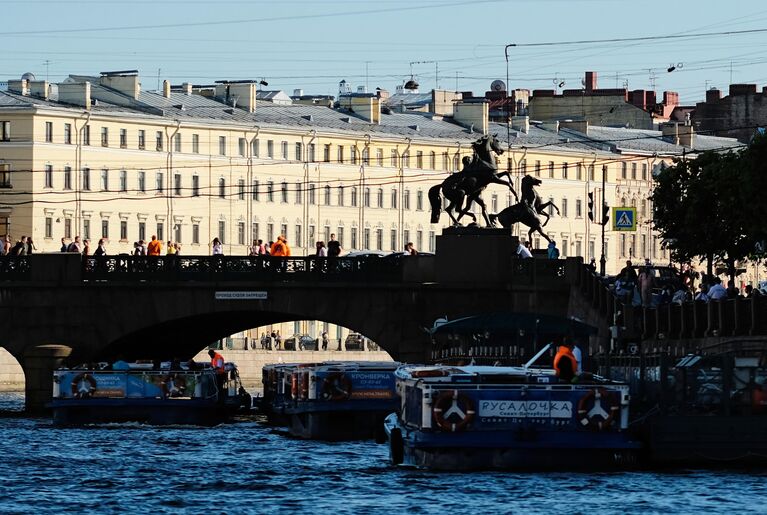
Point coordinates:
[(155, 248), (273, 248), (23, 247), (525, 250), (84, 246)]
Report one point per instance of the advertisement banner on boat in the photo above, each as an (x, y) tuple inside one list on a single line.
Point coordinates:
[(110, 385), (500, 408), (372, 385)]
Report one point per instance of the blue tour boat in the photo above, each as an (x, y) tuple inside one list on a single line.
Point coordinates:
[(331, 400), (186, 395), (478, 417)]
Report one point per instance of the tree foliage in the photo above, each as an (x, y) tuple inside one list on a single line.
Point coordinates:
[(711, 206)]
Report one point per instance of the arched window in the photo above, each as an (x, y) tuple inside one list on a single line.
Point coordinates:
[(222, 187)]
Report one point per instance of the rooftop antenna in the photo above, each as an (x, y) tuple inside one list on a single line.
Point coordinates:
[(47, 64), (159, 71), (653, 79)]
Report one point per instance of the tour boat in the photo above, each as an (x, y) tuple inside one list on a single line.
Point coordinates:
[(480, 417), (183, 395), (335, 400)]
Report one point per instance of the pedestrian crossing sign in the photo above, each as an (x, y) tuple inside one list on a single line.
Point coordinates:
[(624, 219)]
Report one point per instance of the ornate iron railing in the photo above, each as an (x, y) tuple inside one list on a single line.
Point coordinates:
[(239, 268), (13, 268)]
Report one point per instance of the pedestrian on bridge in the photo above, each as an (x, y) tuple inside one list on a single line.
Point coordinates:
[(218, 248), (155, 247)]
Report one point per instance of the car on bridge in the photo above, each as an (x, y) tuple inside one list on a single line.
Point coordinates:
[(300, 342)]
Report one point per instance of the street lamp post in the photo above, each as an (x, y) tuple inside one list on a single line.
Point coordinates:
[(603, 259)]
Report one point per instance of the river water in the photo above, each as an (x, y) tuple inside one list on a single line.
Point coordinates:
[(245, 467)]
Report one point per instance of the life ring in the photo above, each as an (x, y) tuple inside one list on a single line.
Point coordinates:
[(336, 387), (452, 403), (77, 382), (178, 388), (600, 416)]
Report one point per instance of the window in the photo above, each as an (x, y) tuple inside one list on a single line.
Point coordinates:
[(354, 196), (326, 154), (86, 183), (380, 197), (67, 133), (419, 159), (406, 160), (221, 187), (310, 149), (393, 239), (419, 239), (48, 227), (311, 235), (195, 185), (394, 158), (312, 194), (177, 233), (270, 149), (105, 136), (67, 227), (299, 235), (354, 155), (284, 192), (255, 231), (326, 233), (644, 171), (591, 172), (254, 194), (158, 144), (196, 234), (87, 229), (123, 230), (104, 180), (523, 166), (241, 189), (537, 168), (565, 247), (354, 237), (591, 249), (242, 145), (196, 145), (433, 160), (624, 171), (564, 208), (87, 135), (105, 228), (241, 233), (299, 152), (142, 182), (633, 171), (578, 248), (160, 231), (432, 241), (221, 231), (564, 170), (159, 182), (67, 177), (366, 197), (340, 195), (49, 132), (379, 157), (394, 198), (419, 200), (366, 238), (327, 195), (49, 176), (340, 235), (141, 139), (579, 172), (551, 169), (366, 156), (142, 230), (299, 193), (123, 138), (222, 145), (445, 161), (340, 154), (406, 200), (177, 143), (578, 208), (379, 239), (177, 184), (270, 191), (494, 203)]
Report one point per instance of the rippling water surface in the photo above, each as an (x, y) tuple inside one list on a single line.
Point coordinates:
[(245, 467)]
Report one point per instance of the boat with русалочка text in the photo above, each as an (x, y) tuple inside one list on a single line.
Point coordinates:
[(344, 400), (183, 394)]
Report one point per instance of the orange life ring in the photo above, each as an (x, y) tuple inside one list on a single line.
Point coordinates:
[(81, 393), (178, 388), (598, 421), (336, 387), (450, 403)]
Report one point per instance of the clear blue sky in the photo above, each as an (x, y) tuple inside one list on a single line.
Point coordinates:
[(313, 44)]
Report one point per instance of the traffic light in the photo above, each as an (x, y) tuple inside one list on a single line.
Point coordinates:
[(605, 214), (591, 206)]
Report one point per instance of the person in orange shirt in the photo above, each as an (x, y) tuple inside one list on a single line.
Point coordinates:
[(280, 247), (565, 363), (154, 248)]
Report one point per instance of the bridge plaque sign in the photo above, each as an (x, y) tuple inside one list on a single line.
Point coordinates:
[(241, 295)]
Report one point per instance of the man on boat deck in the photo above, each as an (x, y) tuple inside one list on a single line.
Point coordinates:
[(565, 363), (217, 362)]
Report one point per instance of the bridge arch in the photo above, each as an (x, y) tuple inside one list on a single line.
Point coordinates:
[(12, 375)]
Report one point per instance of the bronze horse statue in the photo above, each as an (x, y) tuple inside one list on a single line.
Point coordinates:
[(468, 184), (532, 198), (526, 212)]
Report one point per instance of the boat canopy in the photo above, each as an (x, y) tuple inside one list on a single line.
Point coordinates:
[(510, 323)]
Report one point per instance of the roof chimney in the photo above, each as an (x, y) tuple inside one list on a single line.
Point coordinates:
[(126, 82), (591, 81), (366, 106), (186, 88), (713, 95), (473, 114), (40, 89), (166, 89), (520, 123), (19, 86), (76, 93), (245, 95)]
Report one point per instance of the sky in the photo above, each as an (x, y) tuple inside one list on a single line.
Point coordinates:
[(313, 44)]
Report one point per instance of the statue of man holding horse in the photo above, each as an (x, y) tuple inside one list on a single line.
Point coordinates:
[(470, 182), (528, 211)]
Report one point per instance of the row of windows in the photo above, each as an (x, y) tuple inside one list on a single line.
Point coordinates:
[(576, 171)]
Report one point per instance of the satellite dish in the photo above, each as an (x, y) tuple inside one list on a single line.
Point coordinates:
[(28, 76), (498, 85)]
